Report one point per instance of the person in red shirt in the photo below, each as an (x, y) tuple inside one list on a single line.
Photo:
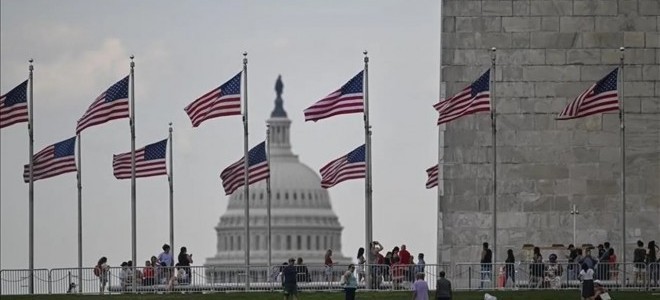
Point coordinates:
[(406, 259), (148, 274)]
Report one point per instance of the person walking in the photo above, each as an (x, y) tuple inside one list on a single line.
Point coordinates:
[(443, 288), (510, 268), (420, 289), (349, 282), (290, 283), (587, 278), (486, 265)]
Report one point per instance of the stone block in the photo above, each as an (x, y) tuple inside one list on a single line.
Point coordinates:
[(478, 24), (520, 40), (657, 88), (511, 73), (650, 105), (651, 72), (521, 7), (551, 73), (542, 105), (602, 139), (514, 89), (602, 39), (610, 122), (602, 187), (625, 23), (471, 57), (640, 56), (448, 56), (555, 40), (653, 41), (517, 122), (649, 7), (610, 56), (497, 8), (595, 7), (520, 56), (551, 8), (464, 40), (583, 56), (628, 7), (493, 39), (550, 24), (559, 89), (545, 122), (555, 56), (576, 24), (448, 24), (521, 24), (594, 73), (634, 39), (609, 154), (632, 104), (461, 8), (638, 89)]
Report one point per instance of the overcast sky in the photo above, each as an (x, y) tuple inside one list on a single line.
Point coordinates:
[(183, 49)]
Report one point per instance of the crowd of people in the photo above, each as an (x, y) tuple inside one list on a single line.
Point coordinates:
[(159, 269)]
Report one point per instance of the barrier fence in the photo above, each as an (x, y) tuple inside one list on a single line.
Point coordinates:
[(463, 276)]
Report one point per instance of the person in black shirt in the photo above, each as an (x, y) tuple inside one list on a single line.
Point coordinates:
[(510, 267), (486, 264), (185, 260), (290, 283), (639, 258)]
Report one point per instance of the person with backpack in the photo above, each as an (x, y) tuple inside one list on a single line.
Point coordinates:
[(101, 271)]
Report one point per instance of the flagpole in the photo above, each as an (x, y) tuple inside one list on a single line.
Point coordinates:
[(171, 182), (80, 250), (622, 127), (133, 213), (31, 185), (493, 116), (245, 174), (439, 228), (268, 212), (368, 187)]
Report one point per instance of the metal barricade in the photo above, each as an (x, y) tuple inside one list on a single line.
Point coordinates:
[(17, 282)]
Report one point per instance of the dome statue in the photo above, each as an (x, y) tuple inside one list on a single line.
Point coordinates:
[(303, 223)]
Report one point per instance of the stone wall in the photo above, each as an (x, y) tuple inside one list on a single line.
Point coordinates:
[(549, 51)]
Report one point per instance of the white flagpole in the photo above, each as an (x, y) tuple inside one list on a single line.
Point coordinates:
[(133, 212), (268, 208), (623, 165), (367, 157), (80, 249), (171, 183), (439, 229), (31, 185), (493, 116), (245, 174)]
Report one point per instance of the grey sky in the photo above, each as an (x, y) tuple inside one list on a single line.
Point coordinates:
[(183, 49)]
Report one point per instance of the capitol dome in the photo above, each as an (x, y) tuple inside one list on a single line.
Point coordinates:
[(303, 223)]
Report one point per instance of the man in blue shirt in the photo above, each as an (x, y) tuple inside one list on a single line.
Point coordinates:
[(290, 283)]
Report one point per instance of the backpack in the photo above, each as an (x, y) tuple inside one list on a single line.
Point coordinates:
[(97, 270)]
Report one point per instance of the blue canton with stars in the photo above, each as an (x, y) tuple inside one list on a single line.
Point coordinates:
[(481, 85), (118, 90), (257, 154), (17, 95), (606, 84), (231, 87), (155, 150), (65, 148), (356, 155), (354, 85)]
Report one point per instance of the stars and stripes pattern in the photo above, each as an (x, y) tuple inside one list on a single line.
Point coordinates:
[(110, 105), (432, 174), (233, 176), (222, 101), (53, 160), (600, 97), (149, 161), (346, 100), (474, 98), (349, 166), (14, 106)]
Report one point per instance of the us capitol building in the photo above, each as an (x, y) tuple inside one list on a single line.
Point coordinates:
[(303, 223)]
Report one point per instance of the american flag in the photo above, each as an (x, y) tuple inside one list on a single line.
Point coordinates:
[(349, 166), (220, 102), (346, 100), (149, 161), (432, 174), (110, 105), (600, 97), (232, 176), (14, 106), (52, 161), (472, 99)]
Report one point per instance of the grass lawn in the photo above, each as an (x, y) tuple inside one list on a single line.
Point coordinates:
[(517, 295)]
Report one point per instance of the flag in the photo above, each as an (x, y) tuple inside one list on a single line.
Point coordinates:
[(232, 176), (346, 100), (110, 105), (350, 166), (220, 102), (472, 99), (52, 161), (432, 173), (600, 97), (14, 106), (149, 161)]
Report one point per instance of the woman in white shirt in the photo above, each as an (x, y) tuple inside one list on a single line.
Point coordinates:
[(587, 278)]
